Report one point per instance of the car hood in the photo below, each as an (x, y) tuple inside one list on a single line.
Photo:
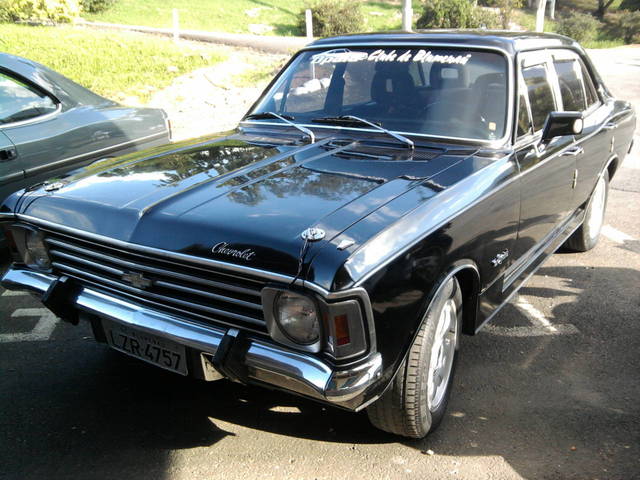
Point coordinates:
[(239, 198)]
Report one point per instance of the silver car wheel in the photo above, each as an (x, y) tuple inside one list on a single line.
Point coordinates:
[(596, 212), (442, 354)]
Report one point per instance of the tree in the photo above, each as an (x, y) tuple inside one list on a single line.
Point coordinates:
[(603, 5)]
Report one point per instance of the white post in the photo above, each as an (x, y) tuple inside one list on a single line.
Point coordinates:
[(308, 19), (407, 15), (552, 9), (176, 25), (540, 15)]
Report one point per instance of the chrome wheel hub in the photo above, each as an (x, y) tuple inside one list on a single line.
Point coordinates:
[(442, 353), (596, 213)]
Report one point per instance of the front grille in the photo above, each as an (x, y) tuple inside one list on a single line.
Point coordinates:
[(201, 293)]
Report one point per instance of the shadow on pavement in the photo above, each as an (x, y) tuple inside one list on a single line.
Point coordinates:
[(79, 410)]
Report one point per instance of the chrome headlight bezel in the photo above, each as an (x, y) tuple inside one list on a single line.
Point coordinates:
[(31, 247), (328, 315), (270, 301)]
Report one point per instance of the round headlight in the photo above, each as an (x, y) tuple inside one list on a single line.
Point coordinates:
[(36, 250), (297, 317)]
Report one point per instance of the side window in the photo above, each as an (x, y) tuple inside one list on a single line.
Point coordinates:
[(590, 89), (540, 94), (572, 88), (19, 101)]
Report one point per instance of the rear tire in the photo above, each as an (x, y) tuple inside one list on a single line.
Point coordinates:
[(415, 402), (586, 236)]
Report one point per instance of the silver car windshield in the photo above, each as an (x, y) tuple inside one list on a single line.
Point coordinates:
[(431, 91)]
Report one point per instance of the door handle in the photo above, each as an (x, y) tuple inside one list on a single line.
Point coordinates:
[(609, 126), (7, 154), (572, 152)]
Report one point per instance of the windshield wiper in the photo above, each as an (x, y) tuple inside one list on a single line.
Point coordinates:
[(285, 118), (351, 119)]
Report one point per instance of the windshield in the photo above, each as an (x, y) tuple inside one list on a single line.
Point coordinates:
[(431, 91)]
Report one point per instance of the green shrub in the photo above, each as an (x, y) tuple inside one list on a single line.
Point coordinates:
[(486, 18), (461, 14), (624, 24), (447, 14), (96, 6), (579, 26), (59, 11), (333, 17)]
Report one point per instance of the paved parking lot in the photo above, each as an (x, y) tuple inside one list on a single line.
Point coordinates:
[(549, 390)]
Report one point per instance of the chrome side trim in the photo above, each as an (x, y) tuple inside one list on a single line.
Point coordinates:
[(39, 119), (50, 166), (524, 282), (267, 363)]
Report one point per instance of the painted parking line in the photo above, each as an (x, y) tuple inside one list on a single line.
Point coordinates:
[(14, 293), (540, 325), (42, 331), (562, 329), (616, 235)]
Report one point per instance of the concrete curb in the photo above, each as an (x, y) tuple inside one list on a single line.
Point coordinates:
[(258, 42)]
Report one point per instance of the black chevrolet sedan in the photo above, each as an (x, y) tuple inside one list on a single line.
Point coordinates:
[(50, 125), (386, 194)]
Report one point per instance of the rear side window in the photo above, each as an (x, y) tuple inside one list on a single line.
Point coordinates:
[(590, 89), (540, 94), (20, 102), (572, 88)]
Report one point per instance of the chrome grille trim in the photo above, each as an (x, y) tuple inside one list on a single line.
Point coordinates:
[(145, 294), (175, 286), (155, 270)]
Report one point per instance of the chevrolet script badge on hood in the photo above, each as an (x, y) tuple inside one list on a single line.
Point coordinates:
[(224, 248)]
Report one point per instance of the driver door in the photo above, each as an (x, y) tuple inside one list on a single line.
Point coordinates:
[(547, 170)]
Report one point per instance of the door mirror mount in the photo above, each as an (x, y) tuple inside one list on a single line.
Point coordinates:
[(559, 124)]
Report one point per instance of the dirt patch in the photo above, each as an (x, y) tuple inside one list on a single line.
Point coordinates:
[(213, 99)]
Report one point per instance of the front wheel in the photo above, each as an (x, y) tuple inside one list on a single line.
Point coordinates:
[(586, 236), (415, 402)]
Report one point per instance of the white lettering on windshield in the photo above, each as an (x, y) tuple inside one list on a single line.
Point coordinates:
[(421, 56)]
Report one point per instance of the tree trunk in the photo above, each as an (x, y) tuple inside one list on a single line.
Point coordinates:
[(603, 5)]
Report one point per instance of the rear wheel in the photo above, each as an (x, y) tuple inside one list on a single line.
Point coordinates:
[(416, 400), (586, 236)]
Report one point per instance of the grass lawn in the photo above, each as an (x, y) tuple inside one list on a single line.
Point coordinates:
[(235, 16), (116, 65)]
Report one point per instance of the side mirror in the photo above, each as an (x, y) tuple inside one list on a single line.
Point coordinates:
[(559, 124)]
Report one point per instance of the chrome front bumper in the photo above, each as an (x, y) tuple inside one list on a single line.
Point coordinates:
[(260, 361)]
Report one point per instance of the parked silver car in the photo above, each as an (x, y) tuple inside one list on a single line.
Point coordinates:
[(50, 125)]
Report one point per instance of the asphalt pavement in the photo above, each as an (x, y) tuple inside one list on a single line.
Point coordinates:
[(549, 391)]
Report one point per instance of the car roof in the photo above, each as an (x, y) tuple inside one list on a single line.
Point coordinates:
[(510, 42), (52, 82)]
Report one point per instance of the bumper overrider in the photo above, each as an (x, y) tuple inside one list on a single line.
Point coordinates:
[(215, 352)]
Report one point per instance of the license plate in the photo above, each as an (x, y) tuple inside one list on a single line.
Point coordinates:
[(150, 348)]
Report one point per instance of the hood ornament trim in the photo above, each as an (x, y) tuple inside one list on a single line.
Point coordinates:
[(313, 234)]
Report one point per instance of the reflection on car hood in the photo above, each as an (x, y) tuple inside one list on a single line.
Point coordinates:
[(238, 198)]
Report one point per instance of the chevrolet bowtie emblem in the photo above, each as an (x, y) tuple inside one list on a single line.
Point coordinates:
[(136, 280)]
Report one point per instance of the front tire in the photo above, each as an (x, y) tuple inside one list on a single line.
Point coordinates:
[(415, 402), (586, 236)]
